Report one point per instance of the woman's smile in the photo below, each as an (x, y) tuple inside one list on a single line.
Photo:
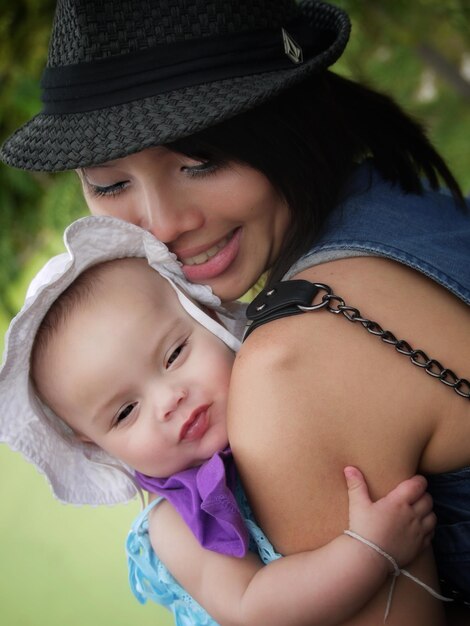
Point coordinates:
[(201, 254), (213, 261)]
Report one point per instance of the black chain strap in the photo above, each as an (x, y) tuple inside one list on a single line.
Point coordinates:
[(417, 357)]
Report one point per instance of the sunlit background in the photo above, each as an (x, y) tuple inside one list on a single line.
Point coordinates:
[(61, 565)]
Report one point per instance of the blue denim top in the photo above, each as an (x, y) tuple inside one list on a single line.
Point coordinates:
[(428, 232)]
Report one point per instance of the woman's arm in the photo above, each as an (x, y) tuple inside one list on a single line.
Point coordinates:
[(314, 392), (321, 587)]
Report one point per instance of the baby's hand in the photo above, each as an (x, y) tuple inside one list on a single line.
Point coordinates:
[(401, 523)]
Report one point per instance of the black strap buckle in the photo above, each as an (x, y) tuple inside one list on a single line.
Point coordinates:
[(280, 300)]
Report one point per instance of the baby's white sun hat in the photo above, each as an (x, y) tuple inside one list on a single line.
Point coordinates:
[(81, 473)]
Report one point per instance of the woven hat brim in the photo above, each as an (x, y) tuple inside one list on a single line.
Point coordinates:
[(64, 142)]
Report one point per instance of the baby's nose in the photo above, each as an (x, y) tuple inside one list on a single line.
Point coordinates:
[(170, 403)]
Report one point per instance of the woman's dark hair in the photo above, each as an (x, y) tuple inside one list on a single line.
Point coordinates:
[(307, 142)]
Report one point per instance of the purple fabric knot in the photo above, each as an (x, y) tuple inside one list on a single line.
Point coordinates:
[(204, 497)]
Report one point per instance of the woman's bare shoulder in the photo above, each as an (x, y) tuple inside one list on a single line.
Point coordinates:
[(327, 357), (314, 392), (400, 300), (429, 318)]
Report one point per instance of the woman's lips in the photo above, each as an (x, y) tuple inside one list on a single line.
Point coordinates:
[(196, 426), (215, 260), (205, 255)]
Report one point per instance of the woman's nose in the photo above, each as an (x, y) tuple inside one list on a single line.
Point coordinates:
[(168, 215)]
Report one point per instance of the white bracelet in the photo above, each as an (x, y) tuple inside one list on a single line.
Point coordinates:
[(397, 570)]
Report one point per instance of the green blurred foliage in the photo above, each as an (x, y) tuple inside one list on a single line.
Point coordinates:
[(419, 53), (33, 207), (63, 565)]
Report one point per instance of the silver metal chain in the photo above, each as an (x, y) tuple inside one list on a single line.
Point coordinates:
[(336, 304)]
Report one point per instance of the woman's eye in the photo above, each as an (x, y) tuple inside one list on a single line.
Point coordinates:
[(201, 169), (175, 354), (100, 191), (125, 412)]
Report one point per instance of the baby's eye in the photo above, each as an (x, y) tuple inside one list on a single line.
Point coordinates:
[(175, 354), (125, 412)]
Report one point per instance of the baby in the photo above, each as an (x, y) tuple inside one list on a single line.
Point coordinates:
[(114, 377)]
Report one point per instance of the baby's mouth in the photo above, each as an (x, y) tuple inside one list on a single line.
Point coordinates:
[(196, 425)]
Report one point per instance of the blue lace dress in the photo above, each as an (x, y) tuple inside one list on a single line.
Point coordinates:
[(149, 579)]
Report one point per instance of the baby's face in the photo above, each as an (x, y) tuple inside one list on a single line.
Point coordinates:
[(132, 372)]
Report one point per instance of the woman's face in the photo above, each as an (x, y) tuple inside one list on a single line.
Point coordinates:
[(225, 223)]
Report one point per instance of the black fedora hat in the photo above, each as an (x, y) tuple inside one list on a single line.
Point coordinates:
[(124, 75)]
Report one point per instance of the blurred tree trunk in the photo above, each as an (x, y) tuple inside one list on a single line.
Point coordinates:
[(448, 71)]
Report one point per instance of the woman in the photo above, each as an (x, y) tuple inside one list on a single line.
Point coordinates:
[(217, 127)]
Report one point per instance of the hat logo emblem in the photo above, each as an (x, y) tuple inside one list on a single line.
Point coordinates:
[(291, 48)]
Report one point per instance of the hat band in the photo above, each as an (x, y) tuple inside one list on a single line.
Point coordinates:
[(125, 78)]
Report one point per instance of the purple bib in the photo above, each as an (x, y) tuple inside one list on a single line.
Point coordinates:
[(204, 497)]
